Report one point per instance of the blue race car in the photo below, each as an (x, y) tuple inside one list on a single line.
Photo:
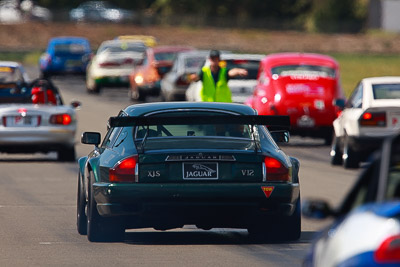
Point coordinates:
[(65, 55), (366, 231)]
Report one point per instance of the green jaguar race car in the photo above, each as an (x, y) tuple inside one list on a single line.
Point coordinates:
[(166, 165)]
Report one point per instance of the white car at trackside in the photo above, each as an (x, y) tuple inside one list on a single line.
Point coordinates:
[(241, 87), (371, 113)]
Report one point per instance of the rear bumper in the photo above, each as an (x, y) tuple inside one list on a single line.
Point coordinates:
[(152, 88), (365, 145), (224, 205), (112, 81), (35, 139)]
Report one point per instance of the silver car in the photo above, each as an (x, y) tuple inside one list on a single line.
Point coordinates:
[(33, 117), (175, 83)]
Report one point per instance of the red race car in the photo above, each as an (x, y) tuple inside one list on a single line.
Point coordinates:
[(304, 86)]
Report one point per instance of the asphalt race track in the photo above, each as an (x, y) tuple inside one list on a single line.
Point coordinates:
[(38, 206)]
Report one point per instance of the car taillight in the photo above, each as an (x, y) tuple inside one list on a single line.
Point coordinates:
[(139, 79), (274, 170), (373, 119), (48, 59), (128, 61), (61, 119), (389, 251), (125, 170)]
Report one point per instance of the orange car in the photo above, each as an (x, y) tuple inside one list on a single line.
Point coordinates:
[(146, 77)]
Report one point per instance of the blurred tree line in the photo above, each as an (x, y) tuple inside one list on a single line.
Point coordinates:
[(310, 15)]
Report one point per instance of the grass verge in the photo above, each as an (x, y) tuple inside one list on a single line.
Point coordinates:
[(354, 67)]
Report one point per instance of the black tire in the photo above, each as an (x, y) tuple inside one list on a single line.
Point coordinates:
[(292, 226), (66, 154), (45, 75), (81, 219), (101, 229), (162, 97), (142, 96), (283, 229), (95, 90), (336, 153), (138, 96), (328, 138), (350, 158)]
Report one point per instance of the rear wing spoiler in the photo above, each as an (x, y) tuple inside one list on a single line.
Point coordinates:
[(272, 122)]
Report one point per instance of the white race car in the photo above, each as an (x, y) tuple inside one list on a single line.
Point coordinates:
[(32, 115), (112, 64), (371, 113)]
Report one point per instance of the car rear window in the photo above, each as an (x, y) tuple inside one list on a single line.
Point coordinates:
[(68, 49), (386, 91), (194, 62), (166, 56), (250, 65), (194, 136), (124, 47), (304, 71), (9, 75)]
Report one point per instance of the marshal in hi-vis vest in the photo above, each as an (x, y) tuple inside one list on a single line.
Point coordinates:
[(211, 92)]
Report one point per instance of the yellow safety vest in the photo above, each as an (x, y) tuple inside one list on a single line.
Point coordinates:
[(211, 92)]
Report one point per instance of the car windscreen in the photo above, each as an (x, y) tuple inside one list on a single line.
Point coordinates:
[(250, 65), (304, 71), (69, 49), (386, 91)]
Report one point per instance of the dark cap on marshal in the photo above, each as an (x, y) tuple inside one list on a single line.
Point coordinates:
[(214, 53)]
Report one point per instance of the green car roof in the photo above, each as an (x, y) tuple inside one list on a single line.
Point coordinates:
[(141, 109)]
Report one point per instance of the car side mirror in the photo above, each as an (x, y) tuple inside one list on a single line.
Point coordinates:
[(91, 138), (280, 136), (76, 104), (340, 103), (317, 209)]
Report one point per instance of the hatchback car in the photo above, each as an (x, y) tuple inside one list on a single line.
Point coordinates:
[(112, 64), (366, 230), (303, 86), (145, 79), (371, 113), (166, 165), (68, 54)]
